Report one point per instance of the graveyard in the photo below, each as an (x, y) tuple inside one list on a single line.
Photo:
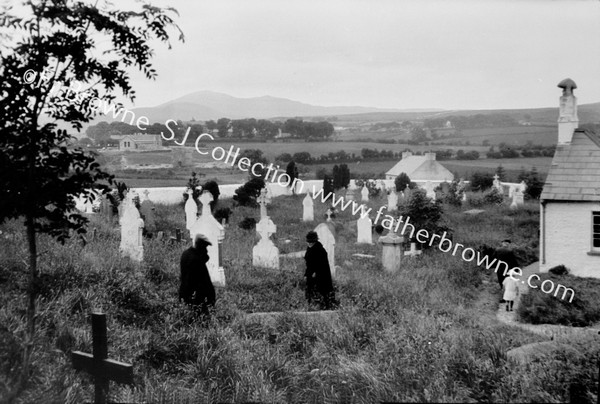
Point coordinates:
[(426, 331)]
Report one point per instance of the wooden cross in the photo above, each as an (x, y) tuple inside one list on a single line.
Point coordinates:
[(98, 365), (263, 200)]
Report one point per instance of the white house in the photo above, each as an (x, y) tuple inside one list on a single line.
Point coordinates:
[(570, 201), (140, 142), (420, 169)]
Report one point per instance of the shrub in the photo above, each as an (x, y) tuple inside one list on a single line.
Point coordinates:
[(246, 194), (248, 223), (493, 197), (559, 270), (402, 180), (223, 213), (424, 214), (212, 187), (476, 200)]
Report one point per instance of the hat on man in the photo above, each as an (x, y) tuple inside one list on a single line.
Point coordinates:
[(201, 239), (312, 237)]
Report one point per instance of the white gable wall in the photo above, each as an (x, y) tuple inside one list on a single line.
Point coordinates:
[(566, 238)]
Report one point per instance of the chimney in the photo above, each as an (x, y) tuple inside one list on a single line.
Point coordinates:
[(406, 154), (430, 156), (567, 118)]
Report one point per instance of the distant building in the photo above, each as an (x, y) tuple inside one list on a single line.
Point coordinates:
[(420, 168), (140, 141), (570, 200)]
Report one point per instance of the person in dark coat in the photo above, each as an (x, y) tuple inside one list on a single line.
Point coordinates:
[(319, 286), (506, 254), (196, 288)]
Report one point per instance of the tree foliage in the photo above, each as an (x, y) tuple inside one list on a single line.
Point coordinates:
[(424, 214), (51, 72), (401, 181)]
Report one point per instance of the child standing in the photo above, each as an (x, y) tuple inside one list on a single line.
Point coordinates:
[(511, 290)]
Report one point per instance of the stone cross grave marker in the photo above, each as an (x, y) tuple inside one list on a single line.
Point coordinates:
[(265, 254), (308, 214), (213, 230), (147, 210), (131, 231), (263, 200), (391, 254), (413, 251), (102, 369), (364, 227), (327, 238), (191, 211), (498, 184), (329, 212), (392, 200), (364, 194)]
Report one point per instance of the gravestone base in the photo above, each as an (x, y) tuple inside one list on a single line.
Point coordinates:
[(265, 255)]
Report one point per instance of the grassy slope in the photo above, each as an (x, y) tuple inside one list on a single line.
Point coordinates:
[(427, 333)]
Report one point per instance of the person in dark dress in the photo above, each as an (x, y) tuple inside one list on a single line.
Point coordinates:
[(506, 254), (196, 288), (319, 286)]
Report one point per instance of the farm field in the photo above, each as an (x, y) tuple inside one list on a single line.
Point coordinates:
[(518, 135), (427, 333)]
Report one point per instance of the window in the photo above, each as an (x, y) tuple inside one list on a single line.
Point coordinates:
[(596, 231)]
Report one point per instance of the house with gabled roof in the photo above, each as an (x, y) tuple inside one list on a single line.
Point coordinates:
[(140, 141), (420, 169), (570, 200)]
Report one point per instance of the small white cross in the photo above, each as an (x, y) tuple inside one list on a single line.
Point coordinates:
[(413, 250)]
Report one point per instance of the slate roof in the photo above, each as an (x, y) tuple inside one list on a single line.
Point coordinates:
[(420, 168), (575, 171)]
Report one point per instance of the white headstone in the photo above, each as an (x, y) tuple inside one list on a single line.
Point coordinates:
[(263, 200), (364, 194), (131, 231), (429, 189), (213, 230), (309, 208), (392, 201), (498, 184), (265, 254), (327, 238), (518, 196), (364, 229), (191, 211), (329, 213)]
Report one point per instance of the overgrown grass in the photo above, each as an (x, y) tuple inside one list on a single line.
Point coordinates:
[(538, 307), (426, 333)]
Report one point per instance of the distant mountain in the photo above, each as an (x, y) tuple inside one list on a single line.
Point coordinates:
[(207, 105)]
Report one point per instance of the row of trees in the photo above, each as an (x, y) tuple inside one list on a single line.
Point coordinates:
[(506, 151), (223, 128)]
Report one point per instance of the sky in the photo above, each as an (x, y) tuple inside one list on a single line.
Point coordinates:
[(404, 54)]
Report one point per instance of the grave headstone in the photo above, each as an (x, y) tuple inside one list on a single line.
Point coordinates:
[(131, 231), (517, 197), (213, 230), (364, 193), (407, 192), (147, 210), (391, 254), (263, 200), (327, 238), (265, 254), (364, 229), (106, 209), (392, 201), (329, 213), (429, 190), (349, 195), (191, 211), (308, 214), (498, 184)]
